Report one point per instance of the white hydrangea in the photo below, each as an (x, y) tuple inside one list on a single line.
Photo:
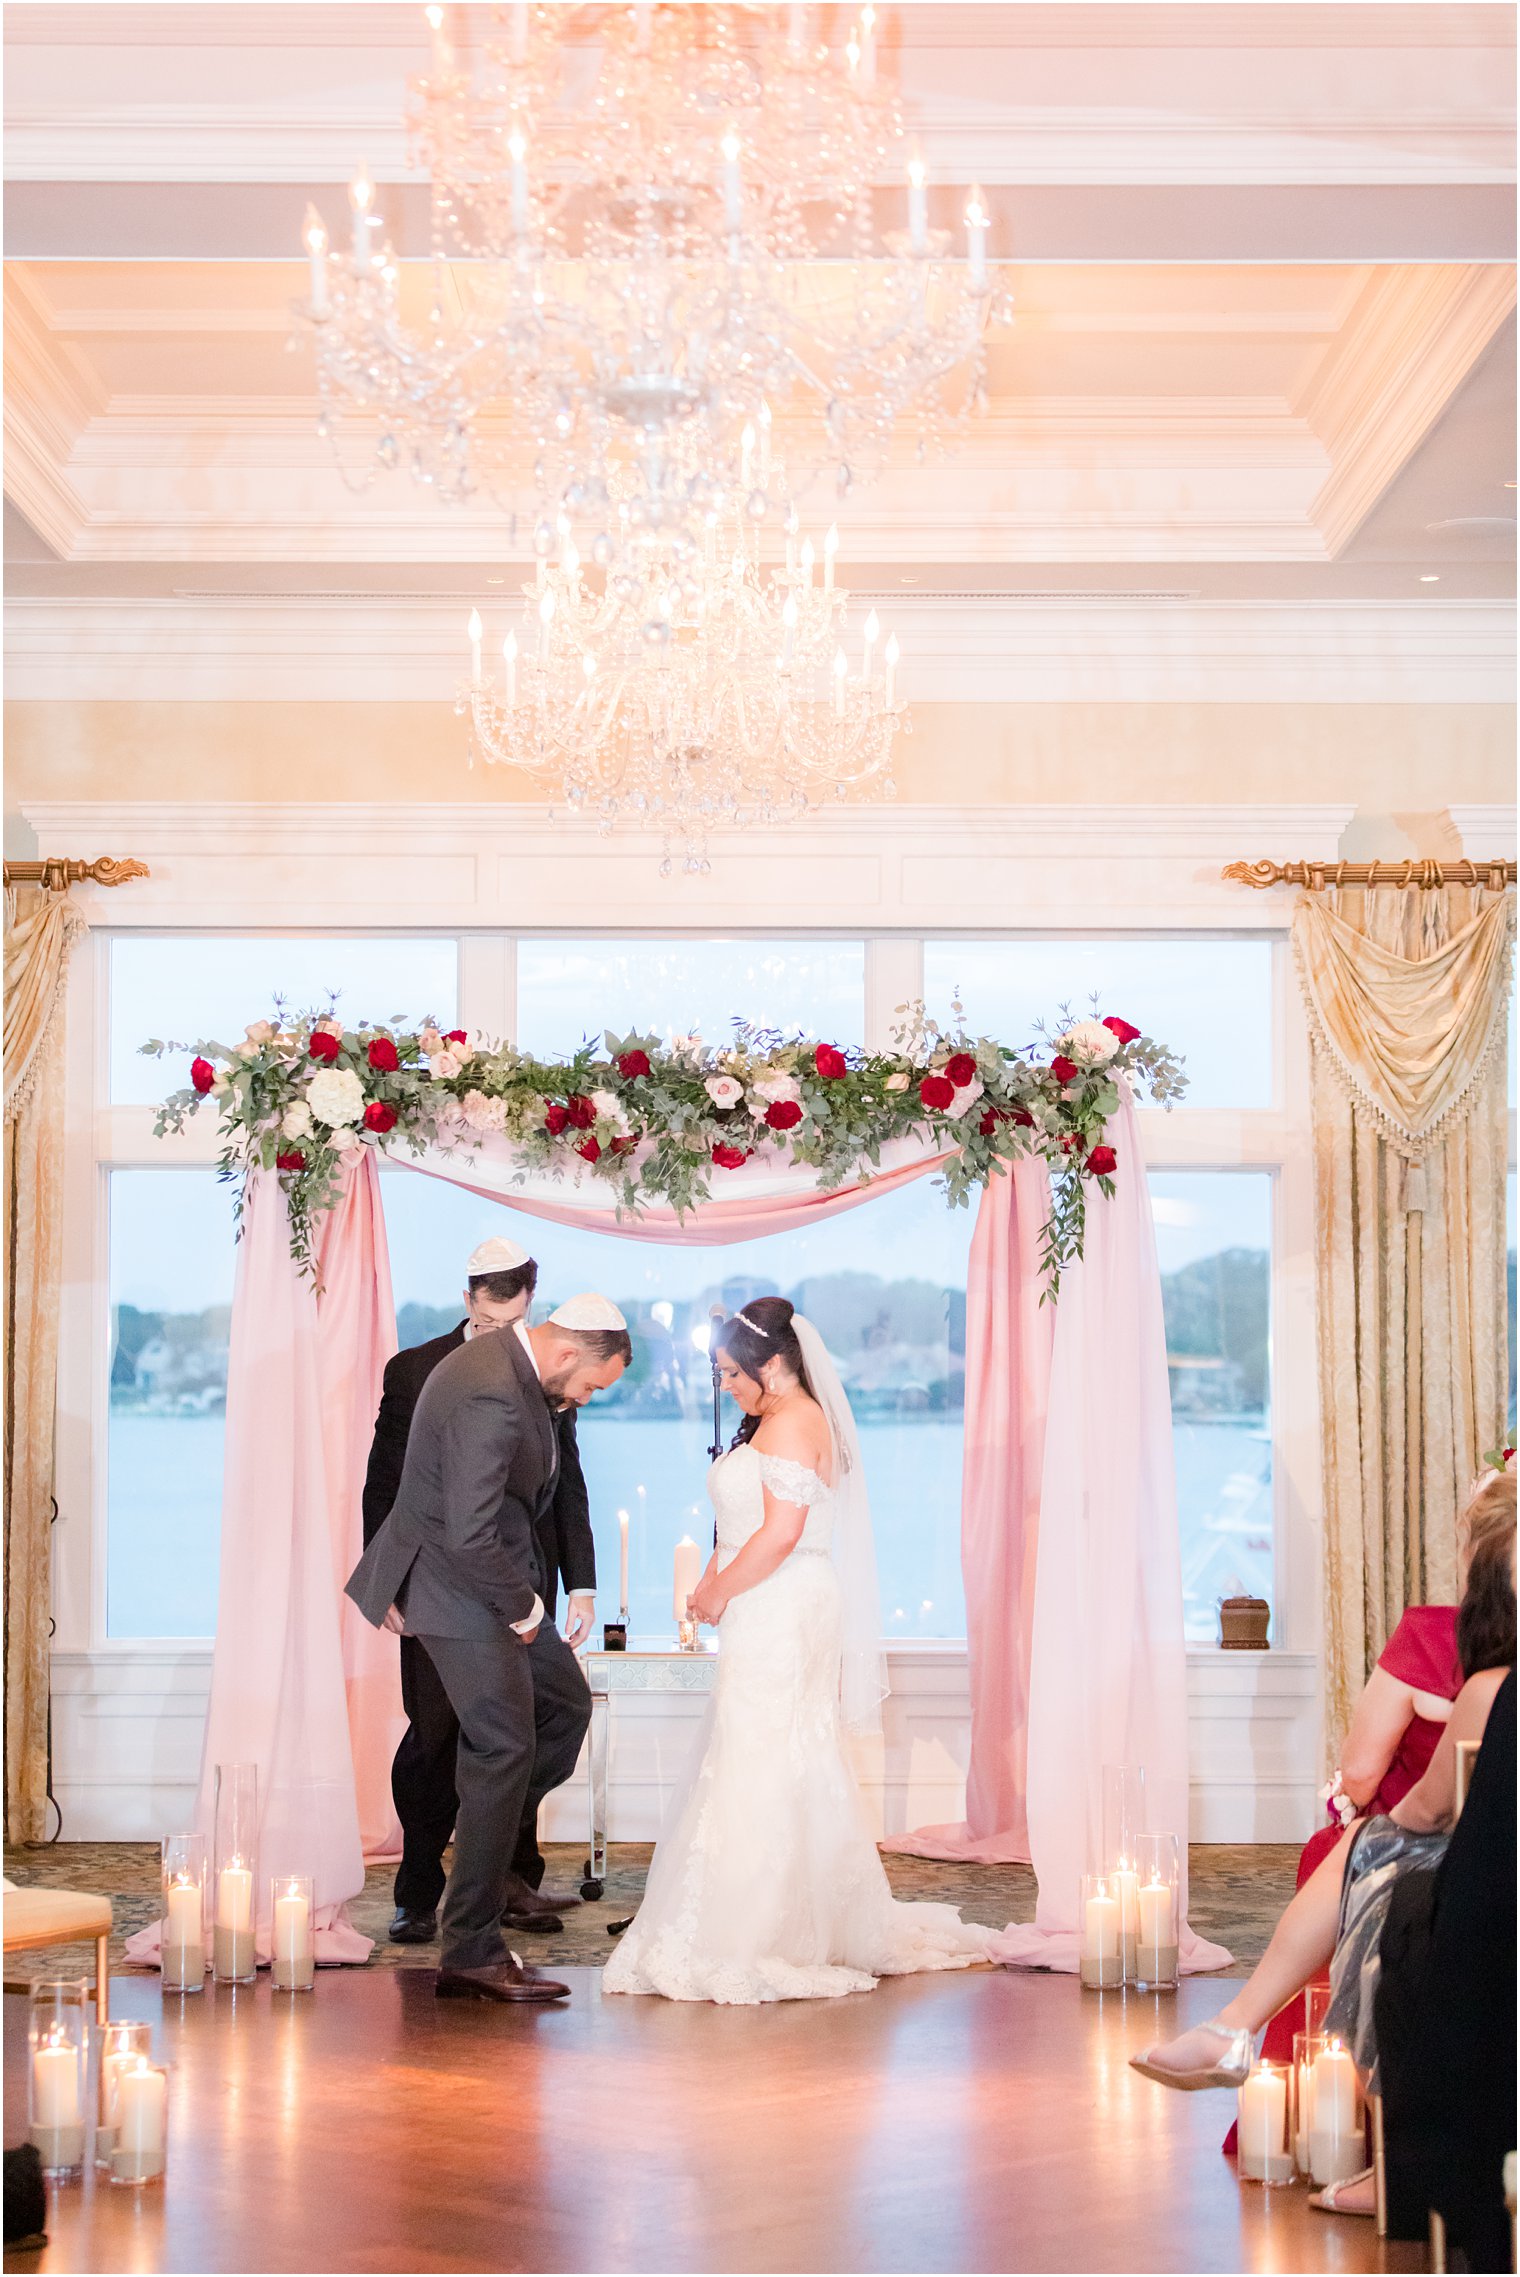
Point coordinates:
[(335, 1096), (723, 1090), (1089, 1040), (609, 1108), (774, 1088), (967, 1095), (483, 1113), (296, 1121)]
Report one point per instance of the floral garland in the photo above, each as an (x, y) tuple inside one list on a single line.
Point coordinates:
[(662, 1122)]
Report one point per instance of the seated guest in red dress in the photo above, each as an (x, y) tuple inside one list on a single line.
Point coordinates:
[(1395, 1728)]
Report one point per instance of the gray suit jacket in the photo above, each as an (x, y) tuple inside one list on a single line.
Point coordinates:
[(457, 1552)]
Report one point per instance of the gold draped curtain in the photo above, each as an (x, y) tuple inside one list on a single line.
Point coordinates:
[(40, 930), (1406, 993)]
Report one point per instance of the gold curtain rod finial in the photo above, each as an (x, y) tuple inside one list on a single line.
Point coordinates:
[(1314, 876), (59, 871)]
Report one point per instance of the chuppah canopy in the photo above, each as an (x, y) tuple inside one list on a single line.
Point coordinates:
[(1068, 1518)]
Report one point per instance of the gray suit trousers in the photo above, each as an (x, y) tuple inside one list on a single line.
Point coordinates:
[(490, 1687)]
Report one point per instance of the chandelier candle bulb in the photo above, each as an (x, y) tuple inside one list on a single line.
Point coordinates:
[(830, 548), (314, 230), (976, 239), (441, 56), (918, 204), (868, 46), (475, 630), (688, 1572), (509, 658), (361, 196)]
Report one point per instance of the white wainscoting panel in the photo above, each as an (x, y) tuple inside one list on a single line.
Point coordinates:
[(127, 1726)]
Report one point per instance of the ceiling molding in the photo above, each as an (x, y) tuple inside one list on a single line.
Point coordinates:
[(1484, 830), (1394, 367), (956, 649), (50, 399)]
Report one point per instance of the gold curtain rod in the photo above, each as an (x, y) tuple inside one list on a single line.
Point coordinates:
[(1315, 876), (59, 872)]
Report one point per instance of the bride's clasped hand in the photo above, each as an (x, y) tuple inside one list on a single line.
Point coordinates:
[(766, 1883)]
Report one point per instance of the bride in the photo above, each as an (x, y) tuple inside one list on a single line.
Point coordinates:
[(766, 1884)]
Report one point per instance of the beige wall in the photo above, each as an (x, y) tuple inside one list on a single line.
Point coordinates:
[(1401, 765)]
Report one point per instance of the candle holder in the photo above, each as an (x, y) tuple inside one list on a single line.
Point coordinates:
[(120, 2047), (1101, 1966), (142, 2116), (1158, 1911), (1264, 2133), (237, 1836), (1336, 2129), (615, 1634), (292, 1965), (182, 1923), (1307, 2046), (1123, 1811), (58, 2047), (686, 1635)]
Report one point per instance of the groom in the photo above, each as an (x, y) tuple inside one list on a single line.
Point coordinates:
[(457, 1561)]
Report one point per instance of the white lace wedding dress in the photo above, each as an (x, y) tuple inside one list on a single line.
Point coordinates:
[(766, 1884)]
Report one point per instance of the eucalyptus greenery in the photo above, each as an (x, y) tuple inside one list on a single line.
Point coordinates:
[(661, 1121)]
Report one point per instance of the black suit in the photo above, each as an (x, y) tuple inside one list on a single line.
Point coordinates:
[(423, 1774)]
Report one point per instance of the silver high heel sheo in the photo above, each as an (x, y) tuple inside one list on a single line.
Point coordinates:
[(1228, 2070)]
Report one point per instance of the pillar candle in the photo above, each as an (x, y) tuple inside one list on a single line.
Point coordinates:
[(1334, 2085), (55, 2079), (141, 2101), (1155, 1903), (1100, 1929), (292, 1963), (184, 1923), (1263, 2118), (688, 1574), (234, 1898)]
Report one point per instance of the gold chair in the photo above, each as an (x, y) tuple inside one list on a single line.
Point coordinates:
[(34, 1918)]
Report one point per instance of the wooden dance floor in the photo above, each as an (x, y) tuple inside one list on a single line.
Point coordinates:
[(984, 2121)]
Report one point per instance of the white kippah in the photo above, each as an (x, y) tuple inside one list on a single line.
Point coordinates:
[(589, 1311), (496, 1256)]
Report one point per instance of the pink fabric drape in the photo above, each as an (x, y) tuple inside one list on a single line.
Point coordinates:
[(356, 1335), (277, 1689), (1008, 1345), (753, 1201), (1108, 1675)]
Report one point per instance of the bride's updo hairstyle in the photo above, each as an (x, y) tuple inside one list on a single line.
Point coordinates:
[(761, 1332)]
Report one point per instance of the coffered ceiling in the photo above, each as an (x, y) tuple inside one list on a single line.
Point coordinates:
[(1262, 257)]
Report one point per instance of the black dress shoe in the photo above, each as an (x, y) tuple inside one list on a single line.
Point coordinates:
[(408, 1928), (507, 1982), (527, 1908)]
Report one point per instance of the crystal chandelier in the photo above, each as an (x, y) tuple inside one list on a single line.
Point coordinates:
[(650, 224), (688, 693)]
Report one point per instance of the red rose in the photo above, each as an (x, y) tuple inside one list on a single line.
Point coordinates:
[(730, 1157), (291, 1159), (1103, 1161), (1069, 1139), (1065, 1070), (202, 1074), (456, 1036), (937, 1091), (379, 1115), (590, 1150), (1122, 1029), (1022, 1117), (324, 1045), (989, 1122), (783, 1114), (580, 1113), (633, 1064), (624, 1145), (831, 1064), (556, 1120), (961, 1070), (384, 1056)]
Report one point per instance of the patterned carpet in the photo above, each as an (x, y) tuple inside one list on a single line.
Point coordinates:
[(1237, 1893)]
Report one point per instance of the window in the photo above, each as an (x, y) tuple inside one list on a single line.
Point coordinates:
[(1210, 1000), (885, 1284), (567, 990), (185, 987), (171, 1270), (1213, 1238)]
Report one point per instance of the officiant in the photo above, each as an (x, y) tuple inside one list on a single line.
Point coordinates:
[(501, 1279)]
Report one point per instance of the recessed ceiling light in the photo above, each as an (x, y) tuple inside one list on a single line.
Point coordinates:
[(1430, 578), (907, 580), (496, 581)]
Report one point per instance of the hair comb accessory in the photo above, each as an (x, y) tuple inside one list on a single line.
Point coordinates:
[(753, 1326)]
